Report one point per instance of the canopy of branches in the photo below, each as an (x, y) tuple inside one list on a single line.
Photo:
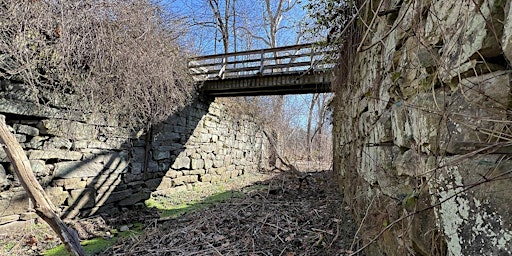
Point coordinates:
[(119, 57)]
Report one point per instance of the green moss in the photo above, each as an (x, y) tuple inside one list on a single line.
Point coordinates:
[(91, 247), (7, 246), (97, 245)]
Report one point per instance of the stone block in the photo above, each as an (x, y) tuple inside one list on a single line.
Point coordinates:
[(108, 198), (77, 169), (182, 162), (208, 164), (36, 142), (117, 132), (164, 137), (16, 226), (72, 183), (138, 154), (506, 42), (134, 198), (57, 143), (474, 107), (54, 154), (28, 216), (205, 178), (136, 168), (165, 183), (14, 203), (153, 183), (173, 174), (129, 177), (194, 172), (57, 195), (21, 138), (160, 155), (68, 129), (197, 163), (25, 129), (82, 198), (9, 218)]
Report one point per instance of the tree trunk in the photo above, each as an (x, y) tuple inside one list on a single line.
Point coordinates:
[(43, 206)]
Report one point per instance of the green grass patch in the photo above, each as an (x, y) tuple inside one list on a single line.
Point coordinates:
[(91, 247), (96, 245)]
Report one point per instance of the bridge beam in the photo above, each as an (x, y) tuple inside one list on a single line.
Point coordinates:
[(278, 84)]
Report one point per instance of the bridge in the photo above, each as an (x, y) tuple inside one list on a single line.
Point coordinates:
[(296, 69)]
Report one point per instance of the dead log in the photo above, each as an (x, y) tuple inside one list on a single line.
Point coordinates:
[(43, 206)]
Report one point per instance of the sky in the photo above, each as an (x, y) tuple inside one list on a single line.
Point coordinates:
[(197, 15), (203, 39)]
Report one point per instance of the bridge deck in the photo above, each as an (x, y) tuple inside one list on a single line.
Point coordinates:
[(284, 70)]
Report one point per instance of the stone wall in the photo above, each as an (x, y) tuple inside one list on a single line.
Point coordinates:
[(422, 128), (92, 165)]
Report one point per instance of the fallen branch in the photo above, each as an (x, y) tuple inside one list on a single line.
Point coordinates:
[(43, 206)]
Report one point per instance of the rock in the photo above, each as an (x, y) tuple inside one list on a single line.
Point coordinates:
[(77, 169), (54, 154), (182, 162), (81, 198), (159, 155), (68, 129), (25, 129), (57, 195), (506, 41), (36, 142), (4, 182), (197, 164)]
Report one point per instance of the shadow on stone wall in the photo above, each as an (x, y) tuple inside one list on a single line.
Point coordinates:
[(90, 169), (127, 177)]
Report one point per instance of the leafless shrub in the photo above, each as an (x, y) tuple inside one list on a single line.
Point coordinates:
[(118, 57)]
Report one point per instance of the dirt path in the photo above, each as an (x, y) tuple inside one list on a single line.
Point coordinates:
[(278, 216)]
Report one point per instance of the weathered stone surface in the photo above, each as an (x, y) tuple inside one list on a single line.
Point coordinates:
[(56, 194), (16, 226), (159, 155), (54, 154), (57, 143), (478, 108), (39, 168), (135, 198), (197, 163), (468, 216), (28, 216), (71, 183), (68, 129), (182, 162), (468, 24), (13, 203), (506, 41), (95, 175), (8, 218), (4, 182), (36, 142), (433, 82), (76, 169), (82, 198), (25, 129)]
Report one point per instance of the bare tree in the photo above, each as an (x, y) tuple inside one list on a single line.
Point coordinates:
[(115, 57), (43, 206)]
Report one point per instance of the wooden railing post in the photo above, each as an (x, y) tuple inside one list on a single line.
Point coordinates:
[(223, 68), (262, 64)]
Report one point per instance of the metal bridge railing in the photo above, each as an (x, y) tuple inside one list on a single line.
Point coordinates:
[(272, 61)]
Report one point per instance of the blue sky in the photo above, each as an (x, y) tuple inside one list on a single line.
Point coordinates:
[(198, 16), (201, 37)]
